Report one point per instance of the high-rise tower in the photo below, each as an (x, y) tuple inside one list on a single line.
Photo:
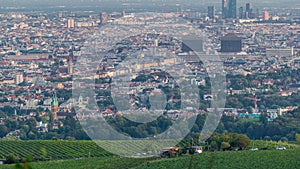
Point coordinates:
[(249, 7), (232, 9), (241, 13), (228, 9), (224, 9), (249, 10), (71, 23), (211, 12)]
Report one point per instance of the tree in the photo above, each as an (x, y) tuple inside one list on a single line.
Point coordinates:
[(264, 118), (284, 139), (2, 114), (3, 131), (10, 124), (32, 124), (267, 138), (31, 135), (298, 138), (241, 140), (214, 145), (25, 164), (225, 145), (11, 158)]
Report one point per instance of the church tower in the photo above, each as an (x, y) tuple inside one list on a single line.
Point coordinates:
[(70, 66), (55, 106)]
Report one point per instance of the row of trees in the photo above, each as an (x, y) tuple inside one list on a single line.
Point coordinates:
[(70, 130), (284, 128), (228, 141), (217, 141)]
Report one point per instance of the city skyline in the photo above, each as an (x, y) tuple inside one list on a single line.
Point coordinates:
[(153, 78), (72, 3)]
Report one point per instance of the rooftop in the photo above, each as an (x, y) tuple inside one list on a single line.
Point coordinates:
[(231, 37)]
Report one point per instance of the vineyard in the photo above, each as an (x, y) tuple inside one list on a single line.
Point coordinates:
[(51, 149), (88, 163), (274, 159), (88, 155)]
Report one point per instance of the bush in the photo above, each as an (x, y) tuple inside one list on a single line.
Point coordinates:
[(25, 164), (225, 145), (11, 159), (284, 139), (298, 138)]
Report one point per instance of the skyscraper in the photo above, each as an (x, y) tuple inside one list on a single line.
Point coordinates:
[(228, 9), (257, 13), (266, 16), (71, 23), (241, 12), (248, 7), (211, 12), (224, 9), (249, 10), (232, 9)]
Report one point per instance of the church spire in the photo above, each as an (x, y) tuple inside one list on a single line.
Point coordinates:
[(55, 106)]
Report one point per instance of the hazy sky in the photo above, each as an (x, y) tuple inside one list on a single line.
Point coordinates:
[(76, 2), (144, 3)]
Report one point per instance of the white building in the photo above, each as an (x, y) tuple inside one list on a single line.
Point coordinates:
[(71, 23), (19, 79), (285, 52)]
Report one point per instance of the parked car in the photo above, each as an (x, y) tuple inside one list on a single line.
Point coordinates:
[(280, 148), (265, 148), (254, 149), (170, 151), (197, 149), (235, 149)]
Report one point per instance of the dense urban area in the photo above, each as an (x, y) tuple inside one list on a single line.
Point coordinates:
[(258, 48)]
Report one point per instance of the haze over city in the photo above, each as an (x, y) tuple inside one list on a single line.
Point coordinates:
[(134, 5), (147, 84)]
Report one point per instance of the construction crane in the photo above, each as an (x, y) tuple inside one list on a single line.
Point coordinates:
[(255, 100)]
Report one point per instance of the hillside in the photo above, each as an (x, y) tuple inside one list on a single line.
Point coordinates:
[(86, 154), (51, 150), (274, 159)]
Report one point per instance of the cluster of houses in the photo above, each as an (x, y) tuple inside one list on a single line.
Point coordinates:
[(38, 54)]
